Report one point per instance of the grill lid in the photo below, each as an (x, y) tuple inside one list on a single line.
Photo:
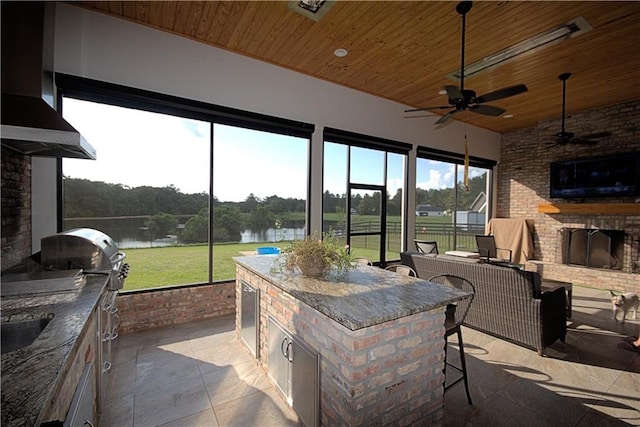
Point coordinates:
[(85, 248)]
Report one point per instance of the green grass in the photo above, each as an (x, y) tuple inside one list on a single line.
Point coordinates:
[(182, 265)]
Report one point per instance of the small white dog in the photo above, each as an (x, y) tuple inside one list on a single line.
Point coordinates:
[(625, 302)]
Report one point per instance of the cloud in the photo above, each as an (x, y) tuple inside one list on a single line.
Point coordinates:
[(437, 179), (196, 128), (259, 163), (393, 184)]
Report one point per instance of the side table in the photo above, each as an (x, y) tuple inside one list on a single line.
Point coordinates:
[(550, 285)]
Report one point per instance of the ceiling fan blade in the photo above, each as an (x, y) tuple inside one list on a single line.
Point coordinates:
[(487, 110), (595, 135), (579, 141), (501, 93), (454, 93), (445, 120), (439, 107), (419, 116)]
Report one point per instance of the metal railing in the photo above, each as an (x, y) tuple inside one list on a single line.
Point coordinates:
[(444, 234)]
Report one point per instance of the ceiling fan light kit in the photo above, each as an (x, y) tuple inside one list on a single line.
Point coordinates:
[(461, 99)]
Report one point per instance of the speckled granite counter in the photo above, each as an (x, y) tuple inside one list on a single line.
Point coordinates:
[(31, 374), (359, 298), (379, 336)]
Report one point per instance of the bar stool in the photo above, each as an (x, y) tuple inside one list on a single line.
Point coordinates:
[(362, 261), (402, 269), (455, 316)]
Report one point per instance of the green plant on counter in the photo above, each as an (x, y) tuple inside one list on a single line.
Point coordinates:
[(315, 256)]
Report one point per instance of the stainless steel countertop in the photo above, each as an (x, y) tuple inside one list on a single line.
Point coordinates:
[(359, 298), (30, 374)]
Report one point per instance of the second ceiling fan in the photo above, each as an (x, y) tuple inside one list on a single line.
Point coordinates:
[(564, 137), (461, 99)]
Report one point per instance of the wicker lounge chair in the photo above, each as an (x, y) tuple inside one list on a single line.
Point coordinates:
[(508, 303)]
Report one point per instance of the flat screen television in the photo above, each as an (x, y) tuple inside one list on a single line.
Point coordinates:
[(605, 176)]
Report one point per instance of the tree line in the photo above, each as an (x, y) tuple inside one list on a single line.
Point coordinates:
[(444, 198), (95, 199)]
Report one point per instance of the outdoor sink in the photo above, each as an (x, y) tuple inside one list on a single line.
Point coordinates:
[(19, 334)]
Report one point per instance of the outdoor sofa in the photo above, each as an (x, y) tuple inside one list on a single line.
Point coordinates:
[(508, 304)]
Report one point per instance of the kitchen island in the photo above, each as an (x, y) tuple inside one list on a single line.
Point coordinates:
[(378, 337)]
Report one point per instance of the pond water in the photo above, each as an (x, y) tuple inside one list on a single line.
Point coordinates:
[(130, 233), (273, 235)]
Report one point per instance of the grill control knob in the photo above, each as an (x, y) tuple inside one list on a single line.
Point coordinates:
[(124, 272)]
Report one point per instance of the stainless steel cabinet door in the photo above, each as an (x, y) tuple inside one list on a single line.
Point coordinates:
[(81, 413), (249, 316), (294, 368), (305, 383), (279, 346)]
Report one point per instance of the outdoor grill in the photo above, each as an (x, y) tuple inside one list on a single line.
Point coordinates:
[(93, 252), (87, 249)]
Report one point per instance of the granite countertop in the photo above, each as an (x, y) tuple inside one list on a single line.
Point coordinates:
[(358, 298), (30, 374)]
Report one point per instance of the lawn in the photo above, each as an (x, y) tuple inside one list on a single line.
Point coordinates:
[(181, 265)]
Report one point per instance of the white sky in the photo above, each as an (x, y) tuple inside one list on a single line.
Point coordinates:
[(137, 148)]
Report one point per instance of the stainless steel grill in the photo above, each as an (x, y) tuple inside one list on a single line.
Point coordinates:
[(88, 249), (95, 253)]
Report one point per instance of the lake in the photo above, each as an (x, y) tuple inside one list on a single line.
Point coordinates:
[(130, 232)]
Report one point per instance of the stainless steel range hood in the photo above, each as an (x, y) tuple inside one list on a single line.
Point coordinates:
[(31, 127), (29, 124)]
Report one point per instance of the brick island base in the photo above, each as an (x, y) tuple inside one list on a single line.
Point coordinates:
[(386, 374)]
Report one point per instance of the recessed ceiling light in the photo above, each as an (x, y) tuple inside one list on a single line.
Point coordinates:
[(340, 52), (507, 116)]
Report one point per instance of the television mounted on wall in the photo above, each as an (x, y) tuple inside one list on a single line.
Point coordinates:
[(604, 176)]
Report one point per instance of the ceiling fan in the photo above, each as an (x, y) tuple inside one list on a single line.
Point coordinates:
[(461, 99), (564, 137)]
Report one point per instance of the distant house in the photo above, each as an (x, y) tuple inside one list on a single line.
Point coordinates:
[(428, 210), (480, 203), (476, 216)]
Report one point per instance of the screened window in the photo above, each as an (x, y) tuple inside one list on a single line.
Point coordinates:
[(151, 178), (183, 196), (448, 210), (259, 192)]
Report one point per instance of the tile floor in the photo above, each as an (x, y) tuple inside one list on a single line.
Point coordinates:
[(198, 374)]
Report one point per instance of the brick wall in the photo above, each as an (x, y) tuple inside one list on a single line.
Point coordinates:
[(387, 374), (523, 184), (146, 309), (16, 208)]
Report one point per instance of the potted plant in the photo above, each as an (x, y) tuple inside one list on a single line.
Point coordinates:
[(315, 256)]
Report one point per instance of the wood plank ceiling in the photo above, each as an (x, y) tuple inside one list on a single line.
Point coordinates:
[(403, 50)]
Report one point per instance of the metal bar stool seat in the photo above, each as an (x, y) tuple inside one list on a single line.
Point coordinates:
[(455, 316), (402, 269)]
